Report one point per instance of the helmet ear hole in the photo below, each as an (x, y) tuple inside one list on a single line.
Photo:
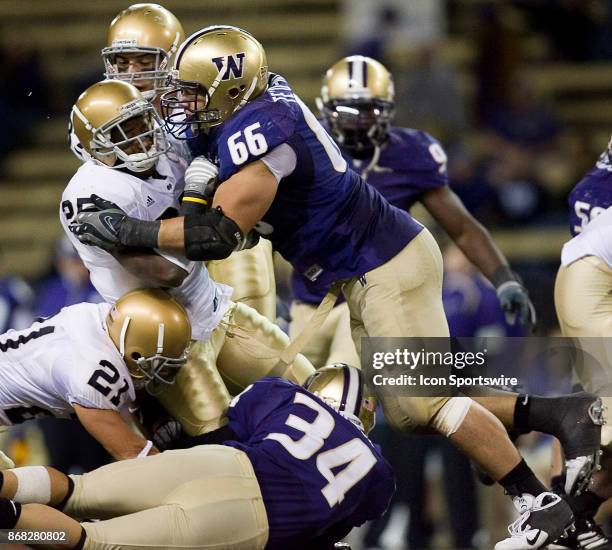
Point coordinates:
[(233, 93), (135, 355)]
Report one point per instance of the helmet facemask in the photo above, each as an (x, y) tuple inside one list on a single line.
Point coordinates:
[(184, 109), (155, 79), (358, 125), (153, 371), (133, 140)]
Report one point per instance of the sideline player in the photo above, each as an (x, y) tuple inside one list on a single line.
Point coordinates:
[(405, 166), (296, 470), (91, 361), (277, 165), (142, 41), (132, 165)]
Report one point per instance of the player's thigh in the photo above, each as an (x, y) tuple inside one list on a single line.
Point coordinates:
[(584, 309), (198, 399), (223, 508), (134, 485), (251, 274), (402, 297), (251, 350), (342, 349), (582, 298)]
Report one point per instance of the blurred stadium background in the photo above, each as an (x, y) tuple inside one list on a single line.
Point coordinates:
[(518, 91)]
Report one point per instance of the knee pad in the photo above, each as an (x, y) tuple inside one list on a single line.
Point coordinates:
[(10, 512), (33, 485), (451, 415)]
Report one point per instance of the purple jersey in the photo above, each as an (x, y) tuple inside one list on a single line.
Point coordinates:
[(316, 469), (411, 163), (325, 220), (592, 194)]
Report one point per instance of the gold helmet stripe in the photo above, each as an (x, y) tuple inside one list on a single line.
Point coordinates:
[(122, 335)]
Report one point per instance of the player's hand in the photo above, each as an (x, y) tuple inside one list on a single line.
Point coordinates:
[(200, 185), (5, 462), (515, 302), (100, 225), (166, 434)]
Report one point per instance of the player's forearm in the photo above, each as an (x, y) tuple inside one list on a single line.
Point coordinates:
[(151, 268), (478, 246), (171, 236)]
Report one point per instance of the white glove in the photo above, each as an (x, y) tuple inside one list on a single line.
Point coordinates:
[(201, 177), (5, 462)]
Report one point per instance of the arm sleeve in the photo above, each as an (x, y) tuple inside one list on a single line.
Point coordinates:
[(281, 161)]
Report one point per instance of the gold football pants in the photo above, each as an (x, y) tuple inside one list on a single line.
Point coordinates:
[(402, 297), (583, 301), (251, 274), (204, 497), (332, 343), (242, 349)]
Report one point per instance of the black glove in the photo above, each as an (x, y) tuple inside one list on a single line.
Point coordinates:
[(167, 434), (100, 226), (107, 226), (514, 298)]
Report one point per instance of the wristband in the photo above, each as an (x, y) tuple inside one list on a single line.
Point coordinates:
[(503, 275), (139, 233)]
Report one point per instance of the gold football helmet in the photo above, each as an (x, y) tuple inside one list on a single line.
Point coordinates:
[(357, 101), (140, 31), (152, 332), (216, 72), (117, 127), (341, 387)]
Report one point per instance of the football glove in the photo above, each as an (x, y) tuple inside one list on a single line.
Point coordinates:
[(515, 302), (200, 185), (107, 226)]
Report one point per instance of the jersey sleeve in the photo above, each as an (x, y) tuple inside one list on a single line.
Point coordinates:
[(424, 159), (75, 379), (249, 409), (252, 134)]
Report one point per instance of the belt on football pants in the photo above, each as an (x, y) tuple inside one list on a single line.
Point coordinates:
[(288, 355)]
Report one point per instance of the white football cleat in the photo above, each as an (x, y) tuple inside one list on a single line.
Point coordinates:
[(543, 520)]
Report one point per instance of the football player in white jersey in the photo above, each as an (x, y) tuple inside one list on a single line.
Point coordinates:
[(141, 42), (91, 361), (584, 308), (132, 165)]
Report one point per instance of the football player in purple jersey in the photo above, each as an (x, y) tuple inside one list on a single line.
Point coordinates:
[(281, 173), (295, 470)]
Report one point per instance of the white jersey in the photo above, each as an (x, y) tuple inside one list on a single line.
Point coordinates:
[(64, 360), (146, 199), (594, 240)]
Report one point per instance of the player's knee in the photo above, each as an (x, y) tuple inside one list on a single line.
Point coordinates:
[(10, 512), (451, 415)]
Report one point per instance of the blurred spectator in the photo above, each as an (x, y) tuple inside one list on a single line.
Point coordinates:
[(16, 298), (70, 447), (68, 284), (370, 28), (427, 95)]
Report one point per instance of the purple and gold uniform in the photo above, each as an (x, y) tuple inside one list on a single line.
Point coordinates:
[(318, 473), (592, 194), (325, 220), (411, 163)]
